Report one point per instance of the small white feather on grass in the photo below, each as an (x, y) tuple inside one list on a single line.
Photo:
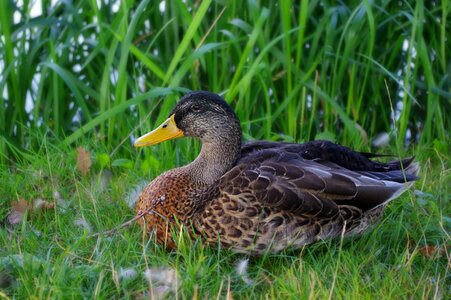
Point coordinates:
[(162, 281), (133, 194), (241, 269), (83, 224), (127, 274)]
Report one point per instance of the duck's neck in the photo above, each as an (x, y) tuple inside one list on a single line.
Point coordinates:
[(215, 159)]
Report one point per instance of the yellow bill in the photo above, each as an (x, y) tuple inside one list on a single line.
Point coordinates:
[(166, 131)]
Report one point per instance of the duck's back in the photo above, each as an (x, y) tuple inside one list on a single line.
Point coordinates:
[(279, 195)]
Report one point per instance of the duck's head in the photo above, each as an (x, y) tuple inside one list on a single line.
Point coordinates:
[(203, 115)]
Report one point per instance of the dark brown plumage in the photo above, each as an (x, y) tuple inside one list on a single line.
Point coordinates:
[(263, 196)]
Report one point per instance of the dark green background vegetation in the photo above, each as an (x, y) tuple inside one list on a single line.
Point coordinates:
[(291, 69)]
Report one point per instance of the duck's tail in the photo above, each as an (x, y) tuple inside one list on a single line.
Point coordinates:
[(408, 169), (400, 179), (411, 167)]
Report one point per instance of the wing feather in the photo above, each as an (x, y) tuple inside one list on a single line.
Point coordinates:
[(283, 179)]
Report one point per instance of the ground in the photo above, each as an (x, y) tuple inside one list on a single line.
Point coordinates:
[(50, 251)]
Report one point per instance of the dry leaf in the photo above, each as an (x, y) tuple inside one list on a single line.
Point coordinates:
[(19, 209), (83, 161), (428, 251)]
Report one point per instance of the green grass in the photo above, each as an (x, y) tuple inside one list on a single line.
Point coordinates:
[(60, 260), (98, 75)]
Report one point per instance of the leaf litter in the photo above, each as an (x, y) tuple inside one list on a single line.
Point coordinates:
[(432, 251), (19, 208), (84, 161)]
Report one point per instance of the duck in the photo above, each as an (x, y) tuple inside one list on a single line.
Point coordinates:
[(262, 196)]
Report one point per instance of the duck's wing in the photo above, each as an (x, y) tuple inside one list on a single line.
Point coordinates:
[(326, 151), (287, 181)]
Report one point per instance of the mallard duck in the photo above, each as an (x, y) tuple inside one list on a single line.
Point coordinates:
[(262, 196)]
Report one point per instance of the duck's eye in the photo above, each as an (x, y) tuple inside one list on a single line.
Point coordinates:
[(195, 107)]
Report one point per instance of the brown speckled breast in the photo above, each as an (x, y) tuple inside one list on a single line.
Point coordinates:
[(167, 196)]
